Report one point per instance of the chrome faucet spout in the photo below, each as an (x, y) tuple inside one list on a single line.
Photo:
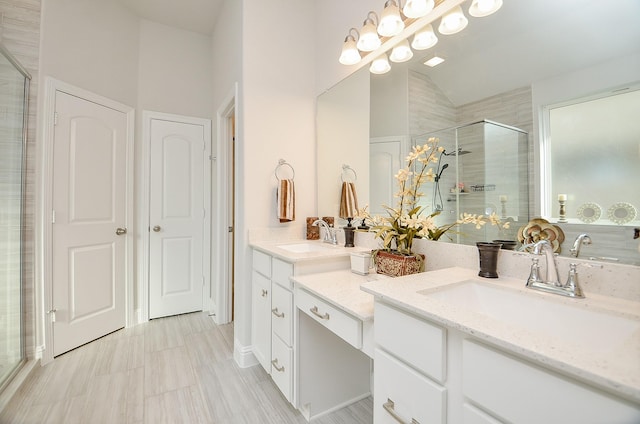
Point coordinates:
[(582, 239), (545, 246), (329, 234)]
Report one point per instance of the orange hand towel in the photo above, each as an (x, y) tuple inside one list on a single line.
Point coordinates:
[(348, 201), (286, 198)]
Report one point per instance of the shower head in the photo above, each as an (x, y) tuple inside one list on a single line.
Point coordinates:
[(458, 152), (437, 178)]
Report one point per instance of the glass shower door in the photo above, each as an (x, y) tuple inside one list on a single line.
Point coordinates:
[(14, 85)]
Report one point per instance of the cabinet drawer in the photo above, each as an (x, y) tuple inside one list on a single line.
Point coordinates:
[(402, 394), (281, 273), (262, 263), (281, 313), (411, 339), (472, 415), (281, 369), (521, 392), (335, 320)]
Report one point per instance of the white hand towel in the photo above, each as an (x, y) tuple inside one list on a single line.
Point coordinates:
[(286, 199)]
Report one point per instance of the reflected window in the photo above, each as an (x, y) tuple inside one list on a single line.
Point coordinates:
[(592, 151)]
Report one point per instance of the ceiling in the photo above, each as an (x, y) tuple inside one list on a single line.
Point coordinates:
[(192, 15)]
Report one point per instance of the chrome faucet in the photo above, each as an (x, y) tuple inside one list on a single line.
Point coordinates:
[(552, 280), (580, 240), (329, 234)]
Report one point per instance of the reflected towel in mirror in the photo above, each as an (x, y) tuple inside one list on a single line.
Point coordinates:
[(348, 201), (286, 199)]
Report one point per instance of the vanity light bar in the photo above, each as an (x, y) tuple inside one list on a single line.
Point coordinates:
[(377, 30)]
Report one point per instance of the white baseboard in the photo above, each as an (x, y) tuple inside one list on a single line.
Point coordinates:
[(243, 355)]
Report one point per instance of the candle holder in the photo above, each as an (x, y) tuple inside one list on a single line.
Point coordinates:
[(563, 212), (503, 201)]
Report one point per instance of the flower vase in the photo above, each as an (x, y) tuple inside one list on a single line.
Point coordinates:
[(395, 264)]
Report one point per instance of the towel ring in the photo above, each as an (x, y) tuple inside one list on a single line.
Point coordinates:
[(346, 168), (282, 163)]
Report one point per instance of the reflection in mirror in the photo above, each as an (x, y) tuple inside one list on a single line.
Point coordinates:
[(482, 170), (506, 68), (594, 154)]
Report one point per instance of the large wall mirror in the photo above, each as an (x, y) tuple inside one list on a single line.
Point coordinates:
[(509, 68)]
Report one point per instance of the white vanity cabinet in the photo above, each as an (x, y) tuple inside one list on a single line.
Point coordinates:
[(272, 319), (273, 305), (428, 373)]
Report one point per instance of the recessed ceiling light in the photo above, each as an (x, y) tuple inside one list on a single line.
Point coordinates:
[(434, 61)]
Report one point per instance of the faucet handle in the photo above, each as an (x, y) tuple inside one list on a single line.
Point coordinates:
[(572, 281), (534, 275)]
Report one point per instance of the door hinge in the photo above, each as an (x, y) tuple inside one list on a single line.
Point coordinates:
[(55, 118), (211, 157)]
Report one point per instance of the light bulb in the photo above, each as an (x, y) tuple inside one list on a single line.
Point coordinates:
[(424, 39), (380, 65), (369, 40), (390, 23), (401, 52), (350, 54), (453, 21), (481, 8), (417, 8)]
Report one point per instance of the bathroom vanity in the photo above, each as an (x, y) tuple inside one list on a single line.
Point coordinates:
[(274, 321), (474, 351)]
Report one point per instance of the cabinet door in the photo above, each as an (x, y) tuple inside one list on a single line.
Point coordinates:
[(401, 394), (261, 319)]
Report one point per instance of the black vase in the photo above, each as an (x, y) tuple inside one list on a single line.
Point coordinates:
[(488, 253)]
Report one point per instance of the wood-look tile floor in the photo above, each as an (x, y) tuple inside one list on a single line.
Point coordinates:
[(171, 370)]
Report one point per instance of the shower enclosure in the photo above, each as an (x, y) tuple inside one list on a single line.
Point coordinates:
[(14, 94), (482, 170)]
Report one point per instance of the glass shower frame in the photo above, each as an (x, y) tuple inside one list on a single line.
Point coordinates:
[(14, 107), (483, 169)]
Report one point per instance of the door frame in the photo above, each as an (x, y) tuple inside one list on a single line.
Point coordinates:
[(143, 232), (44, 242), (228, 107)]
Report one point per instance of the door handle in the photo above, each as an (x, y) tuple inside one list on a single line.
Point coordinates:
[(121, 231), (157, 228)]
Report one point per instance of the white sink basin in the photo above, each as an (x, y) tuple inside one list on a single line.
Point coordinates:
[(597, 330), (304, 247)]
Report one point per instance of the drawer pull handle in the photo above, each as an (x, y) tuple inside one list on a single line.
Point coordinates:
[(275, 365), (264, 293), (276, 313), (315, 312), (389, 406)]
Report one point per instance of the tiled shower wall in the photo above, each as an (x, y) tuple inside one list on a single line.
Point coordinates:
[(20, 33)]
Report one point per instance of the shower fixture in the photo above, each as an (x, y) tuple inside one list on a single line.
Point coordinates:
[(458, 152)]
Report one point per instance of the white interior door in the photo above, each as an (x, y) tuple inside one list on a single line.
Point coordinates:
[(177, 214), (385, 155), (89, 216)]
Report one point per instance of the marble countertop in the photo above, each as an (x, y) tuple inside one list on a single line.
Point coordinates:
[(342, 290), (614, 368), (324, 250)]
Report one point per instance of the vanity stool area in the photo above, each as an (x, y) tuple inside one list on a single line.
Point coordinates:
[(446, 346)]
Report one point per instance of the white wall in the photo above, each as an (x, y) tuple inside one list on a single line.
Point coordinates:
[(278, 112), (174, 71), (91, 44)]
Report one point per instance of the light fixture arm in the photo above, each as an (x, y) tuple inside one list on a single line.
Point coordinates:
[(368, 18), (351, 30)]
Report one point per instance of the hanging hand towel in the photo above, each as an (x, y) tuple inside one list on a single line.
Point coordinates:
[(348, 201), (286, 198)]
